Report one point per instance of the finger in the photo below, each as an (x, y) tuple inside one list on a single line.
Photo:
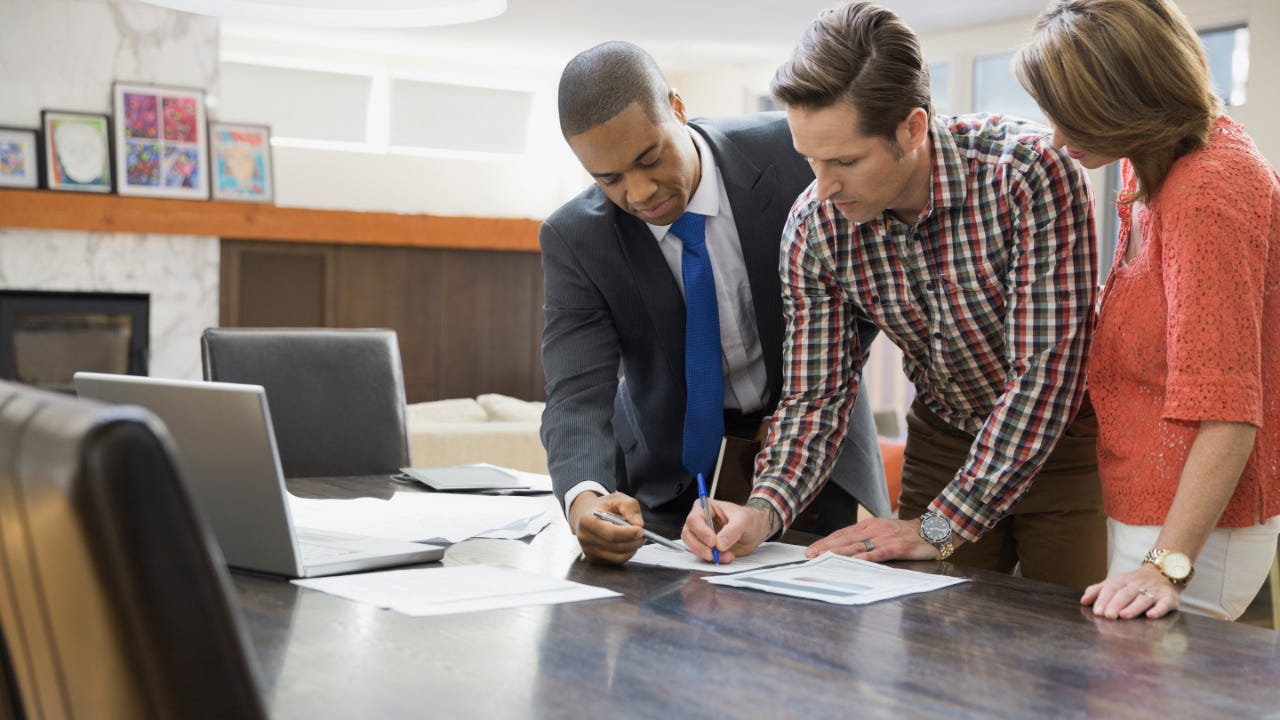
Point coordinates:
[(1125, 599), (1140, 604), (1163, 607), (602, 532), (842, 538), (1105, 593), (624, 505), (1090, 594), (695, 544)]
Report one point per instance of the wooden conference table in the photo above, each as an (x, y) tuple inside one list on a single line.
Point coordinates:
[(675, 646)]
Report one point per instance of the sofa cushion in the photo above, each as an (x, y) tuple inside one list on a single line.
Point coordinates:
[(455, 410), (500, 408)]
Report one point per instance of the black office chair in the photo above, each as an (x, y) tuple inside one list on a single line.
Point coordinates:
[(115, 602), (336, 396)]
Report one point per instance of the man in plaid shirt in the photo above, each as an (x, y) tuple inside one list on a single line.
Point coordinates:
[(969, 242)]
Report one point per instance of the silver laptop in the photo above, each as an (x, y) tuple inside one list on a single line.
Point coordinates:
[(227, 455)]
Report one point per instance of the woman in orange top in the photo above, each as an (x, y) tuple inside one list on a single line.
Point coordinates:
[(1185, 366)]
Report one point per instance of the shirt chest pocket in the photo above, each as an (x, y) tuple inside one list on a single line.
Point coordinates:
[(968, 332)]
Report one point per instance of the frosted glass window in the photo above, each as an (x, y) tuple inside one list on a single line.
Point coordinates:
[(940, 87), (296, 103), (459, 117), (995, 90), (1228, 53)]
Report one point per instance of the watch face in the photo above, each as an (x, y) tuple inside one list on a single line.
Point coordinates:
[(1177, 565), (934, 528)]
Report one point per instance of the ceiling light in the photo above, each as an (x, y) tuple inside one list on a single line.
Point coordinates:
[(344, 13)]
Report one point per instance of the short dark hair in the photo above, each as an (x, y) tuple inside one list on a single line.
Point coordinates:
[(863, 54), (599, 83)]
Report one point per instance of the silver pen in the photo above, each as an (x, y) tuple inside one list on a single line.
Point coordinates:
[(619, 520)]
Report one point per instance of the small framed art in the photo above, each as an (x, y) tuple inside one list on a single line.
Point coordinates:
[(240, 160), (161, 149), (19, 157), (77, 151)]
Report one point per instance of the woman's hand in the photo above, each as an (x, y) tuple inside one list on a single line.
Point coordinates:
[(1142, 592)]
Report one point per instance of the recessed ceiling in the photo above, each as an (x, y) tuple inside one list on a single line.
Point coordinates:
[(680, 34), (395, 14)]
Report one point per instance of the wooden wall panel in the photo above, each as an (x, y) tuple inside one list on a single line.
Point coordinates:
[(468, 322)]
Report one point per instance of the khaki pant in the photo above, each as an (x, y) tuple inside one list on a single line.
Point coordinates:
[(1057, 532)]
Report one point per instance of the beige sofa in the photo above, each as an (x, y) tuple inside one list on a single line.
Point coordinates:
[(489, 428)]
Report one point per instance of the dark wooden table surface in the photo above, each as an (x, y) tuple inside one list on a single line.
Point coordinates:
[(675, 646)]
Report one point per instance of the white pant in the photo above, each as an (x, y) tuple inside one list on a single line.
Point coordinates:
[(1229, 571)]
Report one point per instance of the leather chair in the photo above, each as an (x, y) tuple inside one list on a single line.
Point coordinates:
[(336, 396), (115, 602)]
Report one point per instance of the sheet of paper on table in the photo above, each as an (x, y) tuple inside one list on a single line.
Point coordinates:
[(767, 555), (428, 516), (456, 589), (837, 579)]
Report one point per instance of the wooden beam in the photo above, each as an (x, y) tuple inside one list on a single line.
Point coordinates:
[(57, 210)]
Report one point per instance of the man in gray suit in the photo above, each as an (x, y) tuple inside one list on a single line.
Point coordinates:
[(615, 302)]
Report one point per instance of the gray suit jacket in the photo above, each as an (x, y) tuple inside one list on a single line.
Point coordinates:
[(612, 304)]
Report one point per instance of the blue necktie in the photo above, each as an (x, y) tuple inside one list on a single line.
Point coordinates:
[(704, 377)]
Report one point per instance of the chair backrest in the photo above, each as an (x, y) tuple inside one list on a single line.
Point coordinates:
[(115, 602), (336, 396)]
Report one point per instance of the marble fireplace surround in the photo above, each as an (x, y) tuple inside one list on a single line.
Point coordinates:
[(179, 272)]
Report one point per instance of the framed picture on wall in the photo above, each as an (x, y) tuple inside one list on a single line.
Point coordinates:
[(77, 151), (160, 144), (19, 157), (240, 160)]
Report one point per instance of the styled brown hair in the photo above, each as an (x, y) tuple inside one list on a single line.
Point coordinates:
[(859, 53), (1122, 78)]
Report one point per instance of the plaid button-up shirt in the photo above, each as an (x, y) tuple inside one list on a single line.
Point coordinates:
[(989, 294)]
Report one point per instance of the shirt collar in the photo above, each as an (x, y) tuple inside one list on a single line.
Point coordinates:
[(949, 187), (706, 198)]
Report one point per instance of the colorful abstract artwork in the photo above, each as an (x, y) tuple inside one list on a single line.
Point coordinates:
[(19, 157), (161, 147), (77, 151), (241, 161)]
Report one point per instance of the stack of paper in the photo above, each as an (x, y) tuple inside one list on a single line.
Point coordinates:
[(467, 588), (766, 555), (837, 579), (428, 517)]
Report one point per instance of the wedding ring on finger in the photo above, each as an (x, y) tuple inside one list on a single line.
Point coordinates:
[(1150, 595), (868, 545)]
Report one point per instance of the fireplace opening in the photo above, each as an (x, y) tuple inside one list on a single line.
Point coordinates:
[(46, 337)]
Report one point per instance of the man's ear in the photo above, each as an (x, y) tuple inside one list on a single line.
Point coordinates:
[(913, 130), (677, 106)]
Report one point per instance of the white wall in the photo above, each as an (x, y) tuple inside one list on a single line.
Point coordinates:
[(310, 175), (64, 55)]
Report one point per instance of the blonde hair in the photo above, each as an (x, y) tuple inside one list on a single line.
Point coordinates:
[(1122, 78)]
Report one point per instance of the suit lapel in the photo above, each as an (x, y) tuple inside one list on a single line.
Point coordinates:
[(753, 195), (656, 286)]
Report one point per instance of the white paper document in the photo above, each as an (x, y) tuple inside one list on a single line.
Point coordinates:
[(767, 555), (428, 517), (837, 579), (459, 589)]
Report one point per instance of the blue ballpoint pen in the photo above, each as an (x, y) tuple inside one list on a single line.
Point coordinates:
[(702, 498)]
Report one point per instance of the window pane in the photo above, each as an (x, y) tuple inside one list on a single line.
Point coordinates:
[(296, 103), (458, 117), (996, 91), (940, 87), (1228, 53)]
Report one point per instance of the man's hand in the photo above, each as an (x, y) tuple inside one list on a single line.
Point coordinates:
[(601, 540), (878, 540), (739, 530), (1144, 591)]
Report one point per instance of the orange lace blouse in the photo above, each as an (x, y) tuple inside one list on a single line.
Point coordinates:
[(1189, 330)]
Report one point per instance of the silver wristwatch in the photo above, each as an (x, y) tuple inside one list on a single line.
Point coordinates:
[(937, 532)]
